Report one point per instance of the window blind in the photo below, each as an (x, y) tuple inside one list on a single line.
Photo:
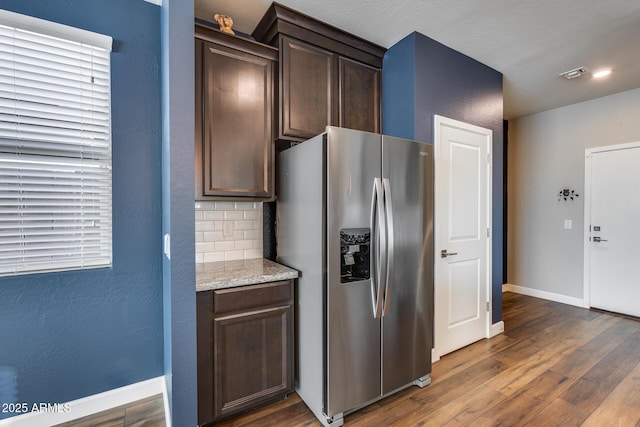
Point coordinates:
[(55, 147)]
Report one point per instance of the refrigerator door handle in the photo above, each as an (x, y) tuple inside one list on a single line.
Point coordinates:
[(388, 204), (378, 244)]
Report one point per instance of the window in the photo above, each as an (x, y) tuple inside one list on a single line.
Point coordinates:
[(55, 147)]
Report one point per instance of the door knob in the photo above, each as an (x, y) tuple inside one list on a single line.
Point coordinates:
[(444, 253), (599, 239)]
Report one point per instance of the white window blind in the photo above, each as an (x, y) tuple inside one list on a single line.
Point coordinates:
[(55, 147)]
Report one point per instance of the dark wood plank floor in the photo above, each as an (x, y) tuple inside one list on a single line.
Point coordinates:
[(555, 365)]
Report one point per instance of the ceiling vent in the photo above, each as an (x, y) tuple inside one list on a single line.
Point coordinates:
[(575, 73)]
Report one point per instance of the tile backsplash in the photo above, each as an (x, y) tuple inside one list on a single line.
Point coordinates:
[(228, 231)]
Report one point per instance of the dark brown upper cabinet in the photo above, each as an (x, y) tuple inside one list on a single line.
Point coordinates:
[(234, 144), (308, 89), (359, 96), (326, 76)]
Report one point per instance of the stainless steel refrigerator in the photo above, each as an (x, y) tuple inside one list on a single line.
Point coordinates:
[(355, 217)]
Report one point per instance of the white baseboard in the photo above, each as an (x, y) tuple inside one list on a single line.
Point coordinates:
[(564, 299), (92, 404), (496, 329), (165, 399)]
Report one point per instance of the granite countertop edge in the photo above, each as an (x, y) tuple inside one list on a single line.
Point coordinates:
[(230, 274)]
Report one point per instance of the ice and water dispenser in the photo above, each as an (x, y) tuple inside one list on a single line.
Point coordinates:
[(355, 250)]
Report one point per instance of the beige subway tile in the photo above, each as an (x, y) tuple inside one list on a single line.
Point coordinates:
[(204, 226), (224, 246), (199, 236), (244, 244), (199, 215), (237, 235), (253, 234), (252, 215), (257, 225), (199, 258), (245, 206), (225, 206), (233, 215), (218, 225), (204, 247), (243, 225), (252, 253), (205, 206), (233, 255), (214, 256), (213, 236), (257, 244), (213, 215)]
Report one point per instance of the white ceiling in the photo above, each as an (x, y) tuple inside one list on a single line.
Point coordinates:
[(529, 41)]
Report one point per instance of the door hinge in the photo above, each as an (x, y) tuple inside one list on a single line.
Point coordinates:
[(488, 306), (488, 232)]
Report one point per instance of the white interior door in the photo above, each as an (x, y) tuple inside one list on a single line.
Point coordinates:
[(462, 242), (613, 230)]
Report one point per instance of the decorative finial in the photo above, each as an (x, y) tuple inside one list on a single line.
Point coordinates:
[(225, 22)]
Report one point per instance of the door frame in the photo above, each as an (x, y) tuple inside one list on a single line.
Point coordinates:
[(588, 155), (437, 122)]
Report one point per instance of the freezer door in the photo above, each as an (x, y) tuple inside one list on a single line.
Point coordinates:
[(407, 324), (353, 332)]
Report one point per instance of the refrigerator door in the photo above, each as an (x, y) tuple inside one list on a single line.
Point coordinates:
[(407, 325), (352, 331)]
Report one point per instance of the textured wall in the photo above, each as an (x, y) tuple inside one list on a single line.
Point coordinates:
[(178, 273), (546, 154), (74, 334), (440, 80)]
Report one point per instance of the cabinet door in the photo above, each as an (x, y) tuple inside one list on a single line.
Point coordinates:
[(251, 360), (307, 89), (237, 123), (359, 96)]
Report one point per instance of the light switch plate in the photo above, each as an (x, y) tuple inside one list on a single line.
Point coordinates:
[(568, 224), (167, 245)]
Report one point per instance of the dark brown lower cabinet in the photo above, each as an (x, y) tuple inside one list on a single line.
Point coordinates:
[(244, 348)]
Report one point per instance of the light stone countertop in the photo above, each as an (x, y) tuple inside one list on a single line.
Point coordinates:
[(229, 274)]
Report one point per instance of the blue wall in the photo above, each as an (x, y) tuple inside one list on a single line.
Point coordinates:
[(422, 77), (73, 334), (178, 104)]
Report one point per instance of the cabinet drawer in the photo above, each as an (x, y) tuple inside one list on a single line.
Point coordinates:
[(246, 297)]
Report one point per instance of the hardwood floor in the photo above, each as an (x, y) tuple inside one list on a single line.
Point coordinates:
[(555, 365), (147, 412)]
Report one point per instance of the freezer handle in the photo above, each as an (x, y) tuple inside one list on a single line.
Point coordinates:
[(388, 204), (378, 247)]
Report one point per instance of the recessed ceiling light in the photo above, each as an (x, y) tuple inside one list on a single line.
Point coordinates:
[(601, 73), (572, 74)]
